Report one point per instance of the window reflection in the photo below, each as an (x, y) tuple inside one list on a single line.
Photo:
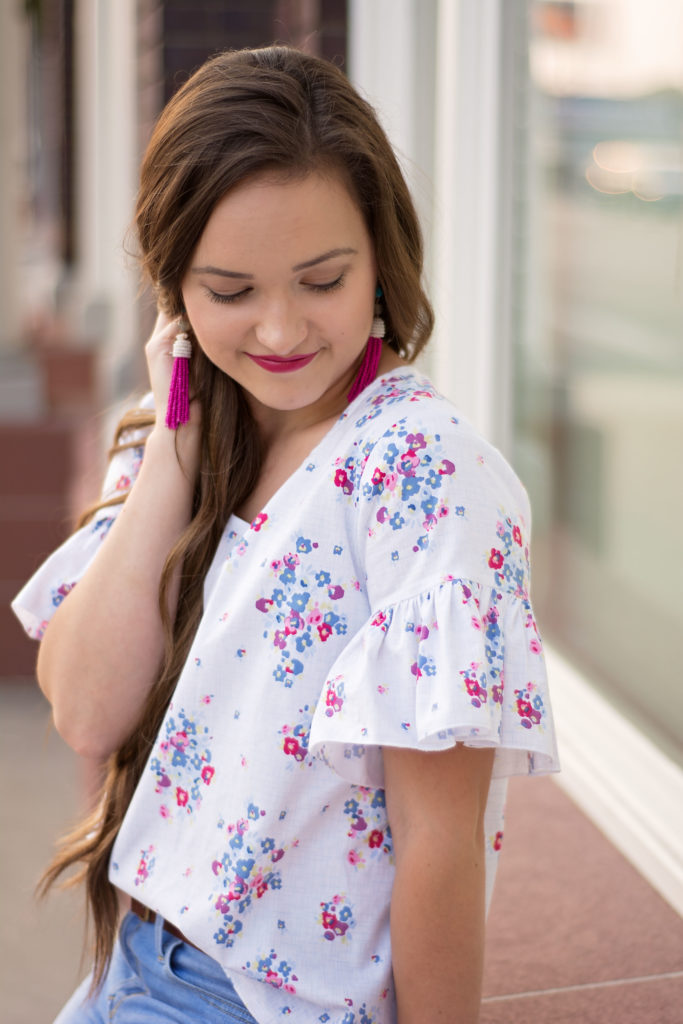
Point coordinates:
[(599, 367)]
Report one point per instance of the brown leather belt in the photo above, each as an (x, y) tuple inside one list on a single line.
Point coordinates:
[(145, 914)]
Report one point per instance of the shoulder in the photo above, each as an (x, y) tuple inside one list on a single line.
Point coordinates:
[(412, 437), (433, 498)]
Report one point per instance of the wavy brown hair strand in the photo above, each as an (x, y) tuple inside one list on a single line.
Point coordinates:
[(241, 114)]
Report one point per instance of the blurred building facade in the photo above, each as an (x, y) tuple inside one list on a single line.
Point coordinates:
[(543, 142), (84, 82)]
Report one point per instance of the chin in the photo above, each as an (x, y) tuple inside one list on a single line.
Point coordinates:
[(277, 398)]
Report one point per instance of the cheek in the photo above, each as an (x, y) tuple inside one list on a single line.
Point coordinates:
[(212, 323), (348, 324)]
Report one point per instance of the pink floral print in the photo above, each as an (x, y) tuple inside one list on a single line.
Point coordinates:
[(336, 919), (181, 762), (246, 872)]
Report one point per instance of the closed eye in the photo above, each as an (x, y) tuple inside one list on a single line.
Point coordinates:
[(227, 296), (329, 286)]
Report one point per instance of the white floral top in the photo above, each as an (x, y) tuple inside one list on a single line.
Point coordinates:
[(380, 598)]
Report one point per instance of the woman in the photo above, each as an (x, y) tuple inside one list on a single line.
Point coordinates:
[(306, 644)]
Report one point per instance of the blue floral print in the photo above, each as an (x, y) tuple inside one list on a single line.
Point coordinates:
[(182, 761), (275, 972), (301, 612), (336, 919), (368, 827), (246, 871)]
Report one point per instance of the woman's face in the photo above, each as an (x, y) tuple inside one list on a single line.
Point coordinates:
[(280, 294)]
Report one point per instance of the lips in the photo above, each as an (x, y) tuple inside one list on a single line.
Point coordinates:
[(276, 364)]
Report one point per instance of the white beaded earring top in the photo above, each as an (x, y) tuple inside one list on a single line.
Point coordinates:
[(182, 346)]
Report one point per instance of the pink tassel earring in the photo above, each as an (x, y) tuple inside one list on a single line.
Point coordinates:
[(178, 408), (373, 351)]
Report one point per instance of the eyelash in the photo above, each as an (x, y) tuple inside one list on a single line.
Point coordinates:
[(323, 289), (219, 297), (331, 286)]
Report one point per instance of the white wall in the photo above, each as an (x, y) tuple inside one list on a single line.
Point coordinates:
[(14, 43), (105, 285), (391, 62), (433, 72)]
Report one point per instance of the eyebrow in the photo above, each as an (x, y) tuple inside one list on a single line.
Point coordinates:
[(220, 272), (325, 256)]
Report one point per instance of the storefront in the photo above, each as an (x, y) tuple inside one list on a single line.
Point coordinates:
[(545, 144), (543, 140)]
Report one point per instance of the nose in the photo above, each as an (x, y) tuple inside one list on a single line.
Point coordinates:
[(280, 328)]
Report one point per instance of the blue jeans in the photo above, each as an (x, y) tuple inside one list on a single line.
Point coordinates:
[(156, 978)]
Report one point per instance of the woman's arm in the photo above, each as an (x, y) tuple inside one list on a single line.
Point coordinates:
[(102, 650), (436, 803)]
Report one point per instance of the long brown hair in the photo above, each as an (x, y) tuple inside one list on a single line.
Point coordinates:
[(242, 113)]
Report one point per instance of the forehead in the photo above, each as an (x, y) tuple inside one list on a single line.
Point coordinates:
[(296, 218)]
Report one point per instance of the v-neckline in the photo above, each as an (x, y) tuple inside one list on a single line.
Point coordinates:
[(317, 452)]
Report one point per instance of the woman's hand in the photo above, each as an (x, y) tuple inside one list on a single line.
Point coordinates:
[(159, 355)]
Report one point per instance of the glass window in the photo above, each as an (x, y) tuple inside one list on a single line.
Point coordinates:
[(599, 345)]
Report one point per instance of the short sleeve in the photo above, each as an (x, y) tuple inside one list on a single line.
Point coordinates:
[(450, 651), (37, 601)]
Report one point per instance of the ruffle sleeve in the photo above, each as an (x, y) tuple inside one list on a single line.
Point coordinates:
[(459, 662), (450, 651), (37, 601)]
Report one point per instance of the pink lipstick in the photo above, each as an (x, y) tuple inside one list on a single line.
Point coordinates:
[(276, 364)]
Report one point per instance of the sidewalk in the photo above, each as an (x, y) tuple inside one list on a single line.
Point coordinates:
[(40, 944), (575, 933)]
